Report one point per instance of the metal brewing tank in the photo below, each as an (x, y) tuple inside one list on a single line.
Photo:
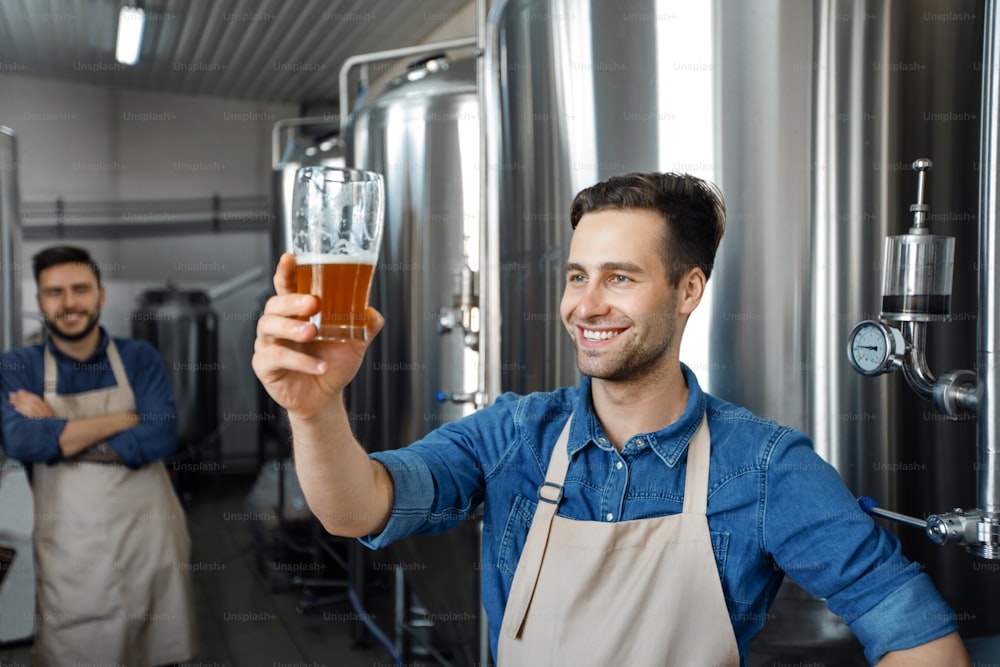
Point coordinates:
[(183, 327), (827, 105), (10, 243), (562, 95), (820, 108), (422, 134)]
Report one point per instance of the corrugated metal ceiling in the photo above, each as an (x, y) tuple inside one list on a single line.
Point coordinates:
[(268, 50)]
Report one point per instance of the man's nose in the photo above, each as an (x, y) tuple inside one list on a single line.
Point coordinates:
[(70, 300), (593, 301)]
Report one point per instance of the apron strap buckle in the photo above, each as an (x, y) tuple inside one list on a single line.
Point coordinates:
[(559, 493)]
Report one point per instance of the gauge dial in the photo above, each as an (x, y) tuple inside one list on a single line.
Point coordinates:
[(872, 346)]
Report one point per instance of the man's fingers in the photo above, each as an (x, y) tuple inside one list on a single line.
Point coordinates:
[(373, 322), (284, 275), (271, 361), (292, 305), (270, 327)]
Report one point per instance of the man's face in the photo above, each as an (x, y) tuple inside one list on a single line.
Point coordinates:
[(70, 300), (618, 305)]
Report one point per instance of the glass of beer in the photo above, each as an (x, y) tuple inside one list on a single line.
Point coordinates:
[(337, 218)]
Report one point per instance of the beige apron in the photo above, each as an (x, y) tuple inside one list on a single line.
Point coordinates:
[(112, 549), (643, 593)]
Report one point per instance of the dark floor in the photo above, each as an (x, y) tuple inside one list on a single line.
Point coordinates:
[(246, 604), (249, 606)]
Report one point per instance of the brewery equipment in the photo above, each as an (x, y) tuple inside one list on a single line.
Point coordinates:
[(10, 243), (17, 595), (870, 88), (917, 289), (183, 327), (422, 134)]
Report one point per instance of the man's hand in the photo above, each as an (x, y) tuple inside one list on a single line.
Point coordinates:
[(79, 433), (301, 375), (349, 493), (30, 405)]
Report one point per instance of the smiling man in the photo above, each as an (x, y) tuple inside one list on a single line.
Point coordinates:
[(633, 519), (93, 416)]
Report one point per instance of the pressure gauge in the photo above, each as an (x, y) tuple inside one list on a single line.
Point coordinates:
[(873, 347)]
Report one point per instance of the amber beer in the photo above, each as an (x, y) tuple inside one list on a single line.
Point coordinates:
[(334, 231), (342, 284)]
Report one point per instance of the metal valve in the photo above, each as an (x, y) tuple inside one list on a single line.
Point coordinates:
[(476, 398), (978, 532), (973, 529), (920, 209), (916, 289), (464, 310)]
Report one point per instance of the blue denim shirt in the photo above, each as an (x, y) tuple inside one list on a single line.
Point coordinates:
[(774, 507), (37, 440)]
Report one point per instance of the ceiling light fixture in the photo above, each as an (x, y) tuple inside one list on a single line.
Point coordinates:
[(131, 21)]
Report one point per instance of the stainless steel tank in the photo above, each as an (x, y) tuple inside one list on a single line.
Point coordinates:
[(819, 109), (831, 102), (568, 70), (422, 134), (10, 243), (183, 327)]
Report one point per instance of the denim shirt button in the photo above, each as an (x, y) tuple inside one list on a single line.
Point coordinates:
[(602, 440), (618, 466), (610, 517), (640, 442)]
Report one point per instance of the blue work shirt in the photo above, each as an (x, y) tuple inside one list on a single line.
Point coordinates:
[(774, 507), (37, 440)]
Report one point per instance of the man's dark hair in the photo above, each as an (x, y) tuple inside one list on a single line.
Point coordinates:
[(693, 209), (63, 254)]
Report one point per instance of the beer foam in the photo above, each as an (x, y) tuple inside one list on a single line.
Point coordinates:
[(320, 258)]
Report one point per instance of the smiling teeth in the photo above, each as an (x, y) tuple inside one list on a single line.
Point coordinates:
[(599, 335)]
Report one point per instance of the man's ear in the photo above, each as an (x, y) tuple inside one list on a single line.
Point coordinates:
[(692, 288)]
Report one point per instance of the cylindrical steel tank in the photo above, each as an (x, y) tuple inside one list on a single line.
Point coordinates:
[(831, 102), (820, 107), (10, 243), (422, 134), (183, 327), (567, 70)]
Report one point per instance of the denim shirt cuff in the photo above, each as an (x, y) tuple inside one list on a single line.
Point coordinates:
[(413, 497), (891, 625)]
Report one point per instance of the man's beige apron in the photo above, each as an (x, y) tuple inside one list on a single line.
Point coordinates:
[(643, 593), (112, 549)]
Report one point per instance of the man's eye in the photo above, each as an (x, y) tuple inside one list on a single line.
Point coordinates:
[(576, 278), (619, 279)]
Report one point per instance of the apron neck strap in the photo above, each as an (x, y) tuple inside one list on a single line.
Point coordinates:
[(51, 377), (695, 481)]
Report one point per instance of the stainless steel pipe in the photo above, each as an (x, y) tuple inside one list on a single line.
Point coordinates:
[(988, 355), (390, 54), (10, 243)]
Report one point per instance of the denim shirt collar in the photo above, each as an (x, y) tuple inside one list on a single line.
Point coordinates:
[(101, 349), (669, 443)]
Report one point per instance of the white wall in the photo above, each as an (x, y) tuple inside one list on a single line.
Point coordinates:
[(87, 143)]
